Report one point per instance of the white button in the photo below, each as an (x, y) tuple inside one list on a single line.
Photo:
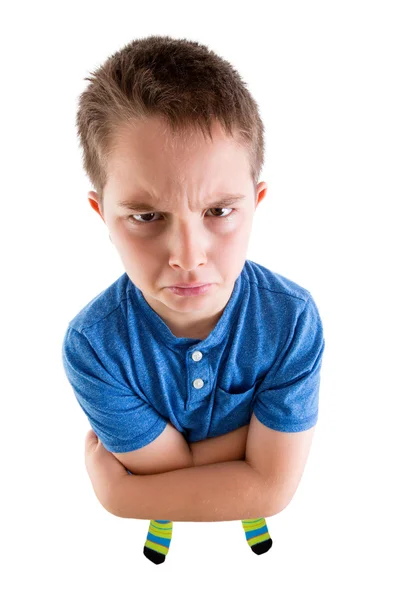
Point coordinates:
[(198, 384), (197, 355)]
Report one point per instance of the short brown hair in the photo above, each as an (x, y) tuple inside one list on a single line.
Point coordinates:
[(180, 80)]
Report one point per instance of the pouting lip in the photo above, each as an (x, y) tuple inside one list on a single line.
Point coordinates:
[(189, 285)]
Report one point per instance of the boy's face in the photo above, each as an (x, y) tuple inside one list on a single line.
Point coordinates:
[(180, 240)]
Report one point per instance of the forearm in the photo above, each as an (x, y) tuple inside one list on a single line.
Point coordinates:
[(226, 491), (223, 448)]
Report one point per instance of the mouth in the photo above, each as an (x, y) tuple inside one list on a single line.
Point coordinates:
[(190, 290), (189, 285)]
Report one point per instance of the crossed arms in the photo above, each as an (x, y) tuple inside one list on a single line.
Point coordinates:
[(248, 473), (203, 481)]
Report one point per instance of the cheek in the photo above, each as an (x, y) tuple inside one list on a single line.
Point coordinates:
[(228, 252), (132, 239), (134, 248), (235, 236)]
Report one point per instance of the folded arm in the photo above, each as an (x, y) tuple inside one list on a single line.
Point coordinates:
[(206, 481), (226, 491)]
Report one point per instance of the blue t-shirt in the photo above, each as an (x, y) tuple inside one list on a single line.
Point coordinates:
[(131, 374)]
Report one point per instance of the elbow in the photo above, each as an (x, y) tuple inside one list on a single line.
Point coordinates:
[(275, 501), (115, 511), (275, 510), (116, 502)]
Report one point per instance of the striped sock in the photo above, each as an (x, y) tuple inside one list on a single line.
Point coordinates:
[(158, 541), (257, 535)]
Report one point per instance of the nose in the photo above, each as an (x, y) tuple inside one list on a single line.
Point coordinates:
[(188, 245)]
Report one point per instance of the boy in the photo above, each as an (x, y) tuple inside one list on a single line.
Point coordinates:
[(195, 355)]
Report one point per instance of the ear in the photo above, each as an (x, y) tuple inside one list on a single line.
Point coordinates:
[(94, 203), (261, 192)]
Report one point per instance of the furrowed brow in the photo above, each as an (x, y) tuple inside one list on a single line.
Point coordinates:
[(221, 202)]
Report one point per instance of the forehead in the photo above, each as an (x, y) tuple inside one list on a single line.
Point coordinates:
[(149, 152)]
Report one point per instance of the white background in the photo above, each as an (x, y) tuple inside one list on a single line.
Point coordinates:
[(326, 78)]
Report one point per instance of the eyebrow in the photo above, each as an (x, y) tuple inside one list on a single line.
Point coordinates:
[(225, 200)]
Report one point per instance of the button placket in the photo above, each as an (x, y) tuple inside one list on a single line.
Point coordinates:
[(198, 383)]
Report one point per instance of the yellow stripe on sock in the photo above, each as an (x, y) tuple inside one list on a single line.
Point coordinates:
[(157, 547)]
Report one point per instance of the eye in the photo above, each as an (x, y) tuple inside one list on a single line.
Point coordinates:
[(154, 213)]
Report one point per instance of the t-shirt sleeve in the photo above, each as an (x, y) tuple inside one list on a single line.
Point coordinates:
[(288, 397), (121, 419)]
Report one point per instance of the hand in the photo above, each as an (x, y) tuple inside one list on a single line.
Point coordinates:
[(105, 471)]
